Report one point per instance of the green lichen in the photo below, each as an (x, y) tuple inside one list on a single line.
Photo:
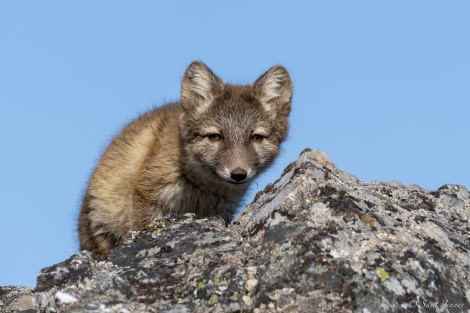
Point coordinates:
[(386, 233), (151, 224), (217, 281), (213, 299), (384, 304), (189, 214), (382, 273), (160, 229), (304, 282), (201, 284)]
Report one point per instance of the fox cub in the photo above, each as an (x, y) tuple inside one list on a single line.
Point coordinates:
[(197, 155)]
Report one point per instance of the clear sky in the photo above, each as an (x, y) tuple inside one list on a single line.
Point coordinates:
[(383, 87)]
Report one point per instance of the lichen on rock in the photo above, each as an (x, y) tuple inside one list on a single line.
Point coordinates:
[(317, 239)]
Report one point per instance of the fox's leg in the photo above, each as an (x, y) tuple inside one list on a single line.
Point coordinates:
[(94, 236)]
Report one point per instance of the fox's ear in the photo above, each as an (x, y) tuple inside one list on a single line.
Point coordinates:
[(199, 87), (274, 90)]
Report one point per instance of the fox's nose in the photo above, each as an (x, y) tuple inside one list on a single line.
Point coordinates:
[(238, 174)]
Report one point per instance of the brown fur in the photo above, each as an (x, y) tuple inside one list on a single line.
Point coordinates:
[(198, 155)]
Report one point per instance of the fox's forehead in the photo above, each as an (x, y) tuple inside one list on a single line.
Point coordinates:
[(235, 113), (240, 92), (239, 109), (232, 116), (237, 100)]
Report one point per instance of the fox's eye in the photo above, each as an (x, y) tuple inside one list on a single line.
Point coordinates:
[(257, 137), (214, 137)]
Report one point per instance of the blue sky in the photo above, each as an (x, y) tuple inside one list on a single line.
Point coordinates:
[(381, 86)]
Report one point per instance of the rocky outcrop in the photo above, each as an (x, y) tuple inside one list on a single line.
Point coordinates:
[(316, 240), (14, 299)]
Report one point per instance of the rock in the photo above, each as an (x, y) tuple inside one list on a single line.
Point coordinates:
[(16, 299), (64, 298), (316, 240)]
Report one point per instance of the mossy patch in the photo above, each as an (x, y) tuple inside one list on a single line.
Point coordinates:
[(201, 284), (213, 299), (151, 224), (382, 273)]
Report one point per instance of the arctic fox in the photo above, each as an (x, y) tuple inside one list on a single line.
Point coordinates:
[(197, 155)]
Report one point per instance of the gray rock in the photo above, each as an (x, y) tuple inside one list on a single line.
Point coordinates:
[(16, 299), (316, 240)]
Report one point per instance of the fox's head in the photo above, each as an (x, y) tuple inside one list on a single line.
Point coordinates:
[(231, 133)]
